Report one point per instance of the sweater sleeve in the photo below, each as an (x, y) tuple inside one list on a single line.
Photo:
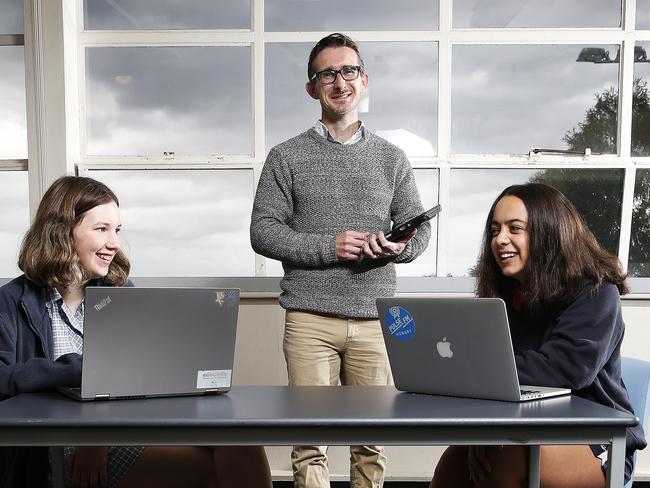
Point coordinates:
[(34, 374), (270, 231), (407, 204), (583, 338)]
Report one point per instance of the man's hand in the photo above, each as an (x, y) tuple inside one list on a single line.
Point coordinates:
[(379, 247), (89, 467), (350, 244)]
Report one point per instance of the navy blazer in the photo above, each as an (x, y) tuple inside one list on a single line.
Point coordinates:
[(26, 365), (578, 347)]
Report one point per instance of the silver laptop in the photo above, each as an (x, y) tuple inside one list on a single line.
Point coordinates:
[(151, 342), (454, 346)]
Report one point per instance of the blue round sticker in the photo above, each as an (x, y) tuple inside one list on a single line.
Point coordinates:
[(400, 323)]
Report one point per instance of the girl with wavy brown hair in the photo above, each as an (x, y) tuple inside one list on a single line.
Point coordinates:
[(562, 293), (48, 255), (74, 242)]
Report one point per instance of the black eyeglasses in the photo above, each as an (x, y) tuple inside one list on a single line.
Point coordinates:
[(328, 76)]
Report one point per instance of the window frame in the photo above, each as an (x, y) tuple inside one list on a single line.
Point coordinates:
[(76, 41)]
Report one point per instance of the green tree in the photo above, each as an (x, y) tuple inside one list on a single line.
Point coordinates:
[(640, 239), (597, 196), (598, 130), (597, 193)]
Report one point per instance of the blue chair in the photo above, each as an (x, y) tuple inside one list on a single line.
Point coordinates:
[(636, 375)]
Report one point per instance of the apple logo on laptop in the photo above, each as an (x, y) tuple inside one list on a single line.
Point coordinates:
[(444, 348)]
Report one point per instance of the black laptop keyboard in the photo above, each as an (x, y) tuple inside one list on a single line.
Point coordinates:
[(529, 392)]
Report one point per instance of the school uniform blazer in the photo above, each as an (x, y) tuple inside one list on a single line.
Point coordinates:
[(578, 347), (26, 365)]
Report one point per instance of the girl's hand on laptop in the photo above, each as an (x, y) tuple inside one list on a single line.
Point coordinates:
[(379, 247), (89, 467)]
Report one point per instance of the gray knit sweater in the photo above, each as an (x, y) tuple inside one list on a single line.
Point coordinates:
[(312, 189)]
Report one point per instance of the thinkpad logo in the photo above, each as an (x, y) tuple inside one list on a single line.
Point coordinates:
[(102, 304)]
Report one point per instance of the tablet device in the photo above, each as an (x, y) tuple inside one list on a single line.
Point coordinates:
[(399, 231)]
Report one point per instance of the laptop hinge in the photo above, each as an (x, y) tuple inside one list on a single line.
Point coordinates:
[(212, 390), (103, 396)]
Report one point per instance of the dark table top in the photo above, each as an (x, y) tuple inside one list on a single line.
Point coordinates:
[(305, 406)]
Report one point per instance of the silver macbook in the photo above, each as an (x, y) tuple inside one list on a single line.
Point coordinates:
[(151, 342), (454, 346)]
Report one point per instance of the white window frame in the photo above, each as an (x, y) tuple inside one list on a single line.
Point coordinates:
[(56, 79)]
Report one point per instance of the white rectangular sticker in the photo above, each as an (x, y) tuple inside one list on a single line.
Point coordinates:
[(213, 378)]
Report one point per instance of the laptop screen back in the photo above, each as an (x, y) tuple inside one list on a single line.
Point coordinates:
[(450, 346), (141, 342)]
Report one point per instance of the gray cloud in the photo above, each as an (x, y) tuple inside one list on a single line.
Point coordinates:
[(192, 223), (643, 14), (343, 15), (190, 100), (11, 20), (537, 13), (167, 14), (14, 218), (509, 98), (13, 125)]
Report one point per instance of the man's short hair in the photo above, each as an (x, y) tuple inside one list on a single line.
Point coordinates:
[(333, 40)]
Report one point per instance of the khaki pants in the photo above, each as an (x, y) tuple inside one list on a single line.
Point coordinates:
[(321, 350)]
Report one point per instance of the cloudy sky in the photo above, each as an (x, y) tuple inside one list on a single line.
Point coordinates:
[(537, 13), (13, 139), (179, 222), (11, 20), (14, 218), (197, 101), (643, 14), (190, 100), (280, 15), (324, 15)]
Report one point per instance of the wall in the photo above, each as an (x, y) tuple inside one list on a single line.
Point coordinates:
[(259, 360)]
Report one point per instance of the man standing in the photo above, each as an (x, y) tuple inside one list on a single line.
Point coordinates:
[(323, 201)]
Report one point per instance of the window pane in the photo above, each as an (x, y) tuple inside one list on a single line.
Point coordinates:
[(289, 109), (343, 15), (536, 13), (167, 14), (639, 263), (13, 125), (402, 109), (11, 17), (473, 192), (185, 222), (511, 98), (184, 100), (643, 14), (14, 219), (641, 101), (425, 264)]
